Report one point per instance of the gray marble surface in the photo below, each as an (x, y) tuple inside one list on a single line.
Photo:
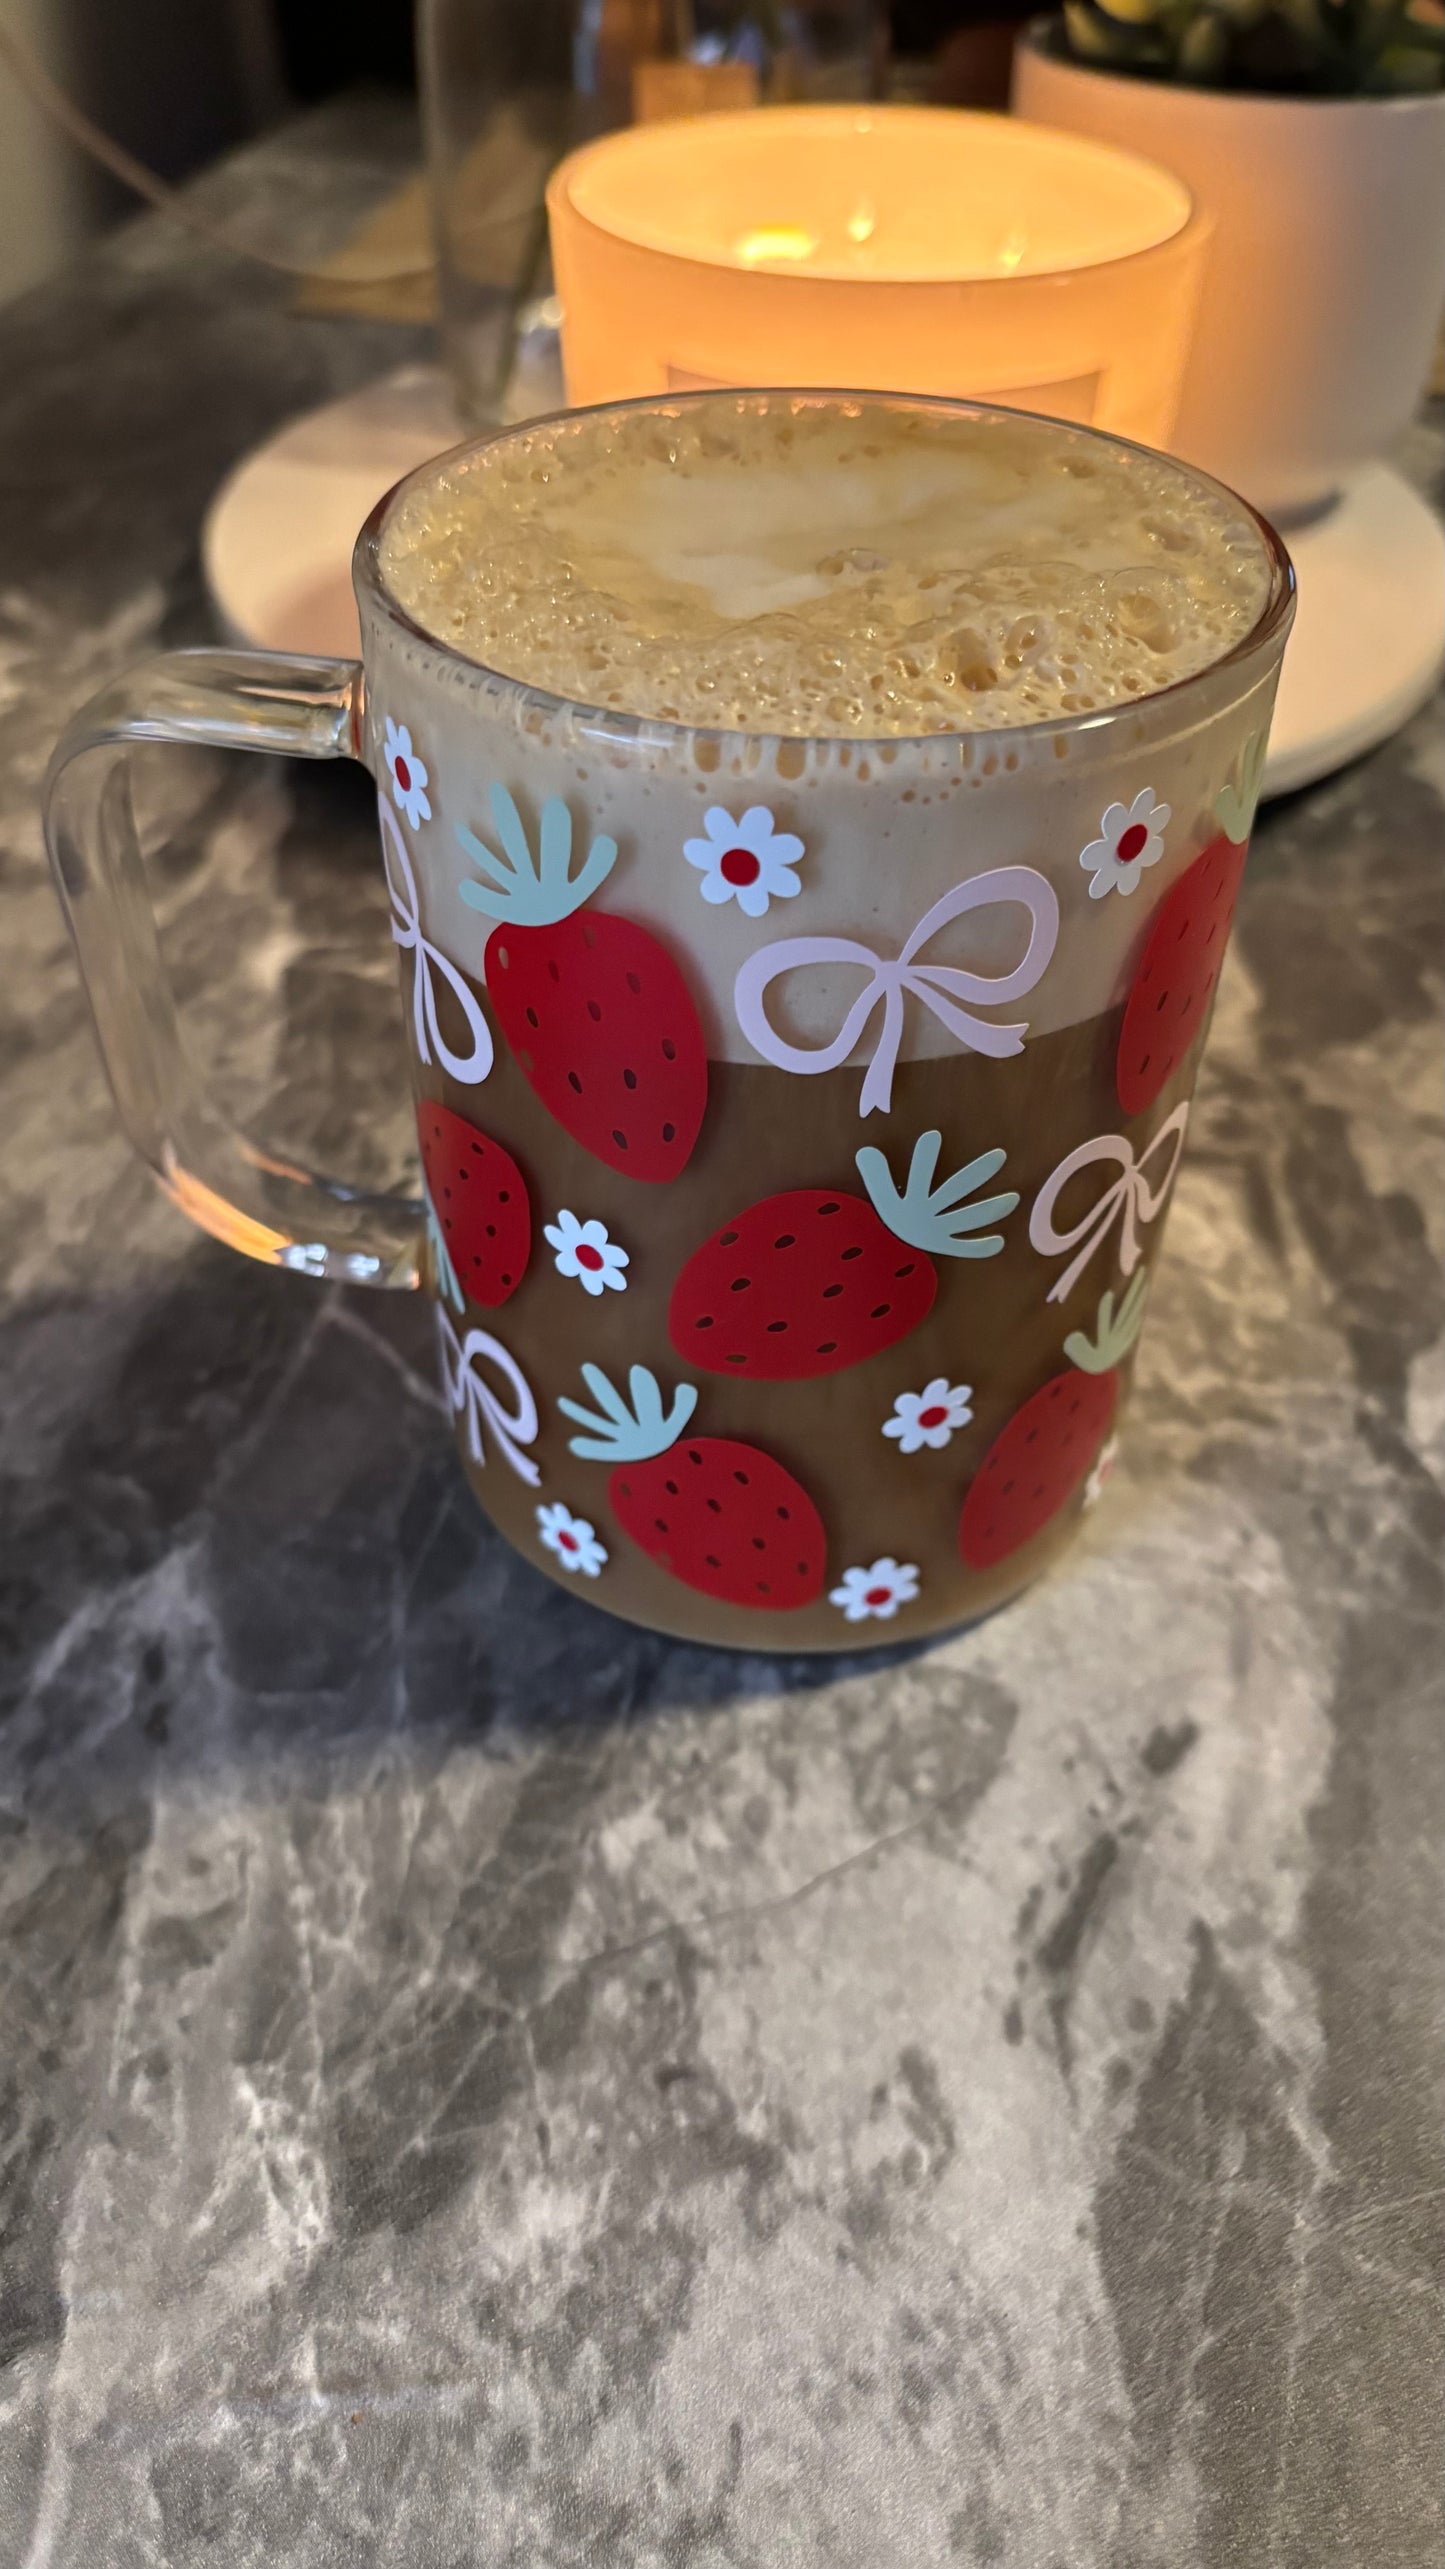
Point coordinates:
[(483, 2089)]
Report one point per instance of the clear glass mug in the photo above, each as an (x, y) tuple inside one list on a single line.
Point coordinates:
[(797, 1118)]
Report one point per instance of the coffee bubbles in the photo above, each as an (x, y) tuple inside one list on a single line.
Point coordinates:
[(824, 568)]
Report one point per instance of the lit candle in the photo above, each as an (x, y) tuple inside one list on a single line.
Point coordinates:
[(916, 249)]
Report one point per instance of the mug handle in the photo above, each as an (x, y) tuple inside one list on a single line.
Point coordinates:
[(231, 1186)]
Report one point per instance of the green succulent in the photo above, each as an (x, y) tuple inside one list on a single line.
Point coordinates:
[(1298, 48)]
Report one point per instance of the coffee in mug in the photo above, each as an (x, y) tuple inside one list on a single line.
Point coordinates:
[(813, 824)]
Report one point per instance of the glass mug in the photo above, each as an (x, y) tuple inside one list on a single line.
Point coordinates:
[(788, 1253)]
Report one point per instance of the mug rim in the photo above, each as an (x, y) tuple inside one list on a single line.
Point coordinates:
[(1273, 621)]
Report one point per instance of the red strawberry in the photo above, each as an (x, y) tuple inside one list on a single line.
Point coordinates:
[(721, 1516), (482, 1216), (803, 1283), (595, 1010), (812, 1280), (1036, 1463), (1174, 984)]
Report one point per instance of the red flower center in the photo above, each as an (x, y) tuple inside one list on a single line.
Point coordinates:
[(739, 867), (877, 1596), (588, 1257), (1132, 842), (402, 773), (934, 1417), (568, 1542)]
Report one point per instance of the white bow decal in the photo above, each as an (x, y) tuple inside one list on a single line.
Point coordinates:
[(470, 1068), (939, 986), (470, 1396), (1130, 1200)]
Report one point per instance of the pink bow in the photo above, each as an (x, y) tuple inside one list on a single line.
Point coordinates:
[(1130, 1200), (471, 1397), (939, 986), (470, 1068)]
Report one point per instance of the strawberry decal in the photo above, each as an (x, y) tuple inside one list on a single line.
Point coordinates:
[(1171, 992), (818, 1278), (597, 1014), (1051, 1446), (717, 1514), (479, 1216)]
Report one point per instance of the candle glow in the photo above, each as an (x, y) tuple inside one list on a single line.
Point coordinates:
[(889, 248)]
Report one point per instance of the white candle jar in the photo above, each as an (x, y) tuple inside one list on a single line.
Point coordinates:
[(894, 248)]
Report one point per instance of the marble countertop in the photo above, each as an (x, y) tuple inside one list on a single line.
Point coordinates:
[(481, 2088)]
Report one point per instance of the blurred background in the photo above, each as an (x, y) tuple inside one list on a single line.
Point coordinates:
[(177, 81)]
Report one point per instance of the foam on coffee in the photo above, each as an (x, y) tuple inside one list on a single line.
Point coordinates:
[(771, 563)]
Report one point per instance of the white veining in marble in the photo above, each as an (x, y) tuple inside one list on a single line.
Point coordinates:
[(482, 2087)]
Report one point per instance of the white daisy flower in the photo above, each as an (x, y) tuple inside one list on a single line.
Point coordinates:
[(877, 1591), (571, 1538), (931, 1416), (1131, 837), (1104, 1462), (747, 861), (409, 779), (585, 1251)]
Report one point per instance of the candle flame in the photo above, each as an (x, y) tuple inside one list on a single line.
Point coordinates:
[(775, 241)]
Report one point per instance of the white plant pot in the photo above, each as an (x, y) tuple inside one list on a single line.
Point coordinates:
[(1324, 283)]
